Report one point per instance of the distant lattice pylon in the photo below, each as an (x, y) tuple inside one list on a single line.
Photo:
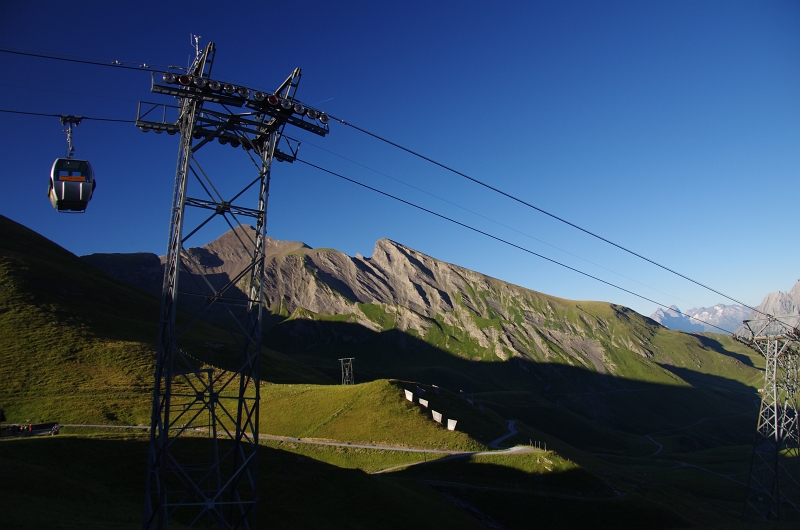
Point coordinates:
[(347, 371)]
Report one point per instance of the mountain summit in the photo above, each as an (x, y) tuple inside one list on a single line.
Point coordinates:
[(780, 303)]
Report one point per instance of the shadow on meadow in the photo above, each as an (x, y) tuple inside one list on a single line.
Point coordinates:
[(582, 407), (98, 482)]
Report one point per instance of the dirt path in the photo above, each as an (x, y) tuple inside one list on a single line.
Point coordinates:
[(314, 441), (495, 444), (510, 451), (103, 426), (361, 446), (333, 443)]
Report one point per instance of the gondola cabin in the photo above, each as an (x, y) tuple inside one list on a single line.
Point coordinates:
[(71, 185)]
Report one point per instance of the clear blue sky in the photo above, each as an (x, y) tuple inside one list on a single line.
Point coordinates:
[(672, 128)]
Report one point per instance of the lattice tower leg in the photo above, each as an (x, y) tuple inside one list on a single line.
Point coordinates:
[(159, 461), (774, 482)]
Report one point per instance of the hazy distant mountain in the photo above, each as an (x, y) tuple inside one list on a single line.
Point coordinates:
[(727, 317), (673, 318)]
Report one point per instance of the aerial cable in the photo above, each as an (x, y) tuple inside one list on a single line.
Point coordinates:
[(487, 234), (529, 205), (82, 57), (143, 67), (63, 115), (491, 220)]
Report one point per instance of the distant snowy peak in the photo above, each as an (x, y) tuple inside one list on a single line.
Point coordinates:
[(727, 317), (672, 318)]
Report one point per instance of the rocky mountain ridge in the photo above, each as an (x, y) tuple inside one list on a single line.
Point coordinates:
[(779, 303), (457, 310)]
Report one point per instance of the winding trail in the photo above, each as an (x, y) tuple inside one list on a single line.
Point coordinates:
[(315, 441), (685, 464), (334, 443), (726, 477), (660, 447), (453, 456), (495, 444)]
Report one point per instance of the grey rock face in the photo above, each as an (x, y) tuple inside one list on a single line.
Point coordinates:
[(416, 293), (458, 310), (778, 304)]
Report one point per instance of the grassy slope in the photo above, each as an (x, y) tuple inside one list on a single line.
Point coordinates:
[(375, 412), (681, 380), (72, 344), (500, 485), (77, 346), (545, 490)]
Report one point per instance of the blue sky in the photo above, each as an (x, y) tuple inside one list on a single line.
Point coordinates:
[(671, 128)]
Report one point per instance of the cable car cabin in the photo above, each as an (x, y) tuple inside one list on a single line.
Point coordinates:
[(71, 185)]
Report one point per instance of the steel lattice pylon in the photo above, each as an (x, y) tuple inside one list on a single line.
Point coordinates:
[(773, 489), (348, 378), (203, 452)]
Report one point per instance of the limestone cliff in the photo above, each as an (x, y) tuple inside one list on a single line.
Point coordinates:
[(462, 311)]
